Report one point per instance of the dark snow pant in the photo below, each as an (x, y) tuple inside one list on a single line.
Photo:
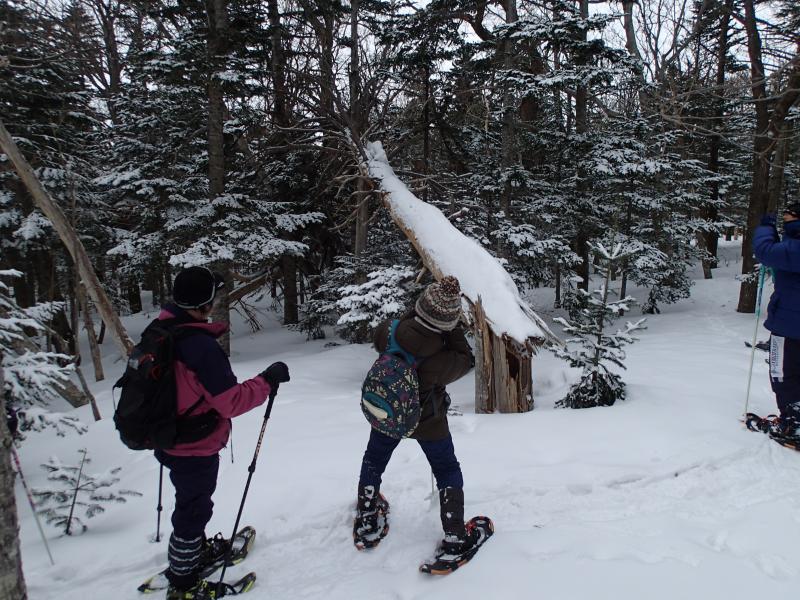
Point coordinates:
[(784, 374), (440, 454), (195, 479)]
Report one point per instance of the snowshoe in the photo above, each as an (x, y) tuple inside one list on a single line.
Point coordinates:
[(762, 424), (207, 590), (784, 433), (450, 556), (212, 559), (785, 440), (371, 525)]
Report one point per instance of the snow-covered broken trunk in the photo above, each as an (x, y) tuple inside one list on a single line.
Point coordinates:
[(507, 332)]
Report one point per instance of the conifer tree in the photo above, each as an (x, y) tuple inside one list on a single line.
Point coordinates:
[(34, 376), (597, 350), (77, 494), (47, 105)]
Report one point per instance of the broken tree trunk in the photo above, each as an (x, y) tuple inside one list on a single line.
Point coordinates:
[(484, 380), (88, 323), (507, 332), (69, 238), (87, 392), (502, 370), (504, 381)]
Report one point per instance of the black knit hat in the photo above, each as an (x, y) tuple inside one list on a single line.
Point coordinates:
[(793, 209), (440, 303), (196, 286)]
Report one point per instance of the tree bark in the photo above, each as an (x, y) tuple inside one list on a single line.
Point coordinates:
[(134, 295), (73, 322), (248, 287), (222, 306), (281, 118), (290, 309), (426, 129), (711, 238), (362, 218), (760, 180), (107, 13), (94, 346), (217, 48), (631, 43), (503, 378), (280, 107), (353, 75), (358, 124), (581, 128), (69, 238), (509, 111), (768, 128), (12, 580), (322, 17), (484, 379), (88, 393), (778, 173)]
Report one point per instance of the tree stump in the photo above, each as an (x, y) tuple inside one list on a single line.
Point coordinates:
[(503, 380)]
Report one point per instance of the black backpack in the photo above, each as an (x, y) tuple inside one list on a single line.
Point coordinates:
[(147, 415)]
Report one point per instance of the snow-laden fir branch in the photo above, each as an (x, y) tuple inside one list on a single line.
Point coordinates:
[(77, 495)]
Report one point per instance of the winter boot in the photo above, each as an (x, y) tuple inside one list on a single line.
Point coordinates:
[(202, 590), (371, 523), (790, 427), (457, 538), (214, 549)]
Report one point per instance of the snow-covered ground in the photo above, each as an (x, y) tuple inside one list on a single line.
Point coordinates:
[(663, 496)]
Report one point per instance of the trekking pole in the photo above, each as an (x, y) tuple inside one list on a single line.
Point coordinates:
[(30, 501), (762, 271), (251, 469), (159, 508)]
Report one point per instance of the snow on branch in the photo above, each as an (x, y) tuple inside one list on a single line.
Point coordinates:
[(447, 251)]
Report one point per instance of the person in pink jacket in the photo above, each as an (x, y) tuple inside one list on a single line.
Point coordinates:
[(205, 385)]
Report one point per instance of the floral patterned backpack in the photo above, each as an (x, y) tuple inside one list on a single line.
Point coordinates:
[(390, 394)]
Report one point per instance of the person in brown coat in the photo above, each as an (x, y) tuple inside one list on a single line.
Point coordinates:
[(432, 334)]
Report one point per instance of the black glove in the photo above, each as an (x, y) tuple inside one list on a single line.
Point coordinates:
[(769, 219), (275, 374), (12, 421)]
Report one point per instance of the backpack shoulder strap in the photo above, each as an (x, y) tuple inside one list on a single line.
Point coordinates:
[(180, 332), (173, 328), (393, 347), (159, 325), (177, 333)]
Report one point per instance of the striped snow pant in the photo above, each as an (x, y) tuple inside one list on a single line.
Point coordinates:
[(784, 375), (440, 454), (195, 479)]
